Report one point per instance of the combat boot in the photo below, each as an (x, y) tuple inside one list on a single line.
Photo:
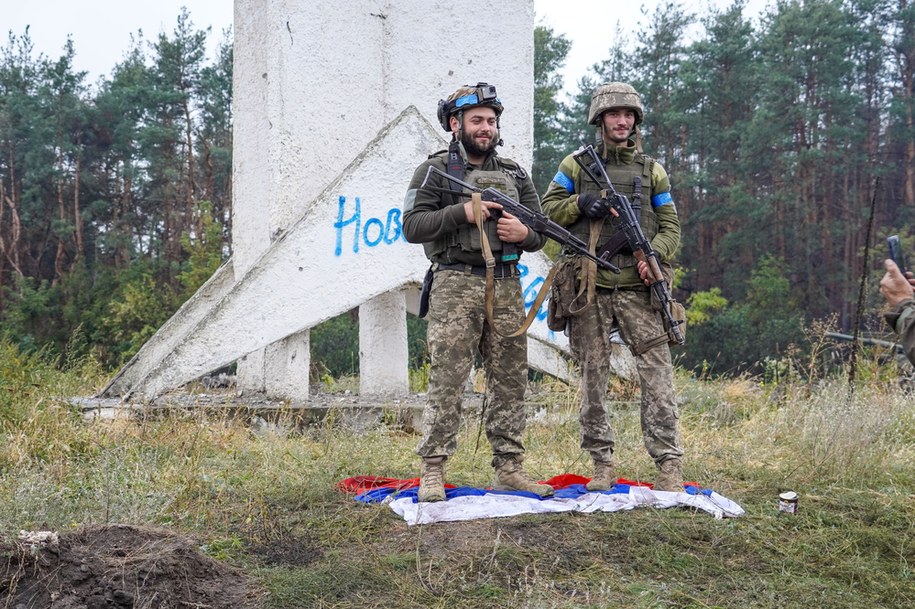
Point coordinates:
[(670, 477), (432, 479), (510, 476), (604, 477)]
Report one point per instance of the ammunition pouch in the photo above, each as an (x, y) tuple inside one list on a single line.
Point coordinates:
[(678, 314), (565, 292)]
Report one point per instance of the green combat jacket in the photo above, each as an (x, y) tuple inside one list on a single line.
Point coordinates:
[(658, 216), (437, 219)]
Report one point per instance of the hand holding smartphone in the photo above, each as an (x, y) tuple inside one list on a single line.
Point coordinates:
[(896, 253)]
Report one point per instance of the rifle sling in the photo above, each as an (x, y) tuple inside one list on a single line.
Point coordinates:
[(589, 279), (455, 167), (657, 341), (588, 285), (490, 260)]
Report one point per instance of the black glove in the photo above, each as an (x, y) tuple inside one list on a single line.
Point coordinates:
[(593, 206)]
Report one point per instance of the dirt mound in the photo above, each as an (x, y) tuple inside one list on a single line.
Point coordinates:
[(118, 566)]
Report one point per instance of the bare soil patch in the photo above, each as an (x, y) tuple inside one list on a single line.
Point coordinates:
[(119, 566)]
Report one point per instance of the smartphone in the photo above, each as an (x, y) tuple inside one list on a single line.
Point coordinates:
[(896, 253)]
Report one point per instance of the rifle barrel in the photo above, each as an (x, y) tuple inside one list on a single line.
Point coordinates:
[(865, 341)]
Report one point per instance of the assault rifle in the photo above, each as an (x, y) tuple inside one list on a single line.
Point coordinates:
[(631, 231), (533, 220)]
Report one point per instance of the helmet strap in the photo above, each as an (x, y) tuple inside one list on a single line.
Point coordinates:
[(638, 138), (602, 131), (459, 115)]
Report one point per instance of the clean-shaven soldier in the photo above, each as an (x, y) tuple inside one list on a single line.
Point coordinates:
[(622, 300)]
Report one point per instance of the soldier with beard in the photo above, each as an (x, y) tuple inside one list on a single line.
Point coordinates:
[(444, 223)]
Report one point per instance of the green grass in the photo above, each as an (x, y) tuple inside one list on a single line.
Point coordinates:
[(266, 501)]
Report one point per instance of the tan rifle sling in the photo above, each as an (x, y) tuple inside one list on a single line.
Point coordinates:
[(477, 202), (588, 285)]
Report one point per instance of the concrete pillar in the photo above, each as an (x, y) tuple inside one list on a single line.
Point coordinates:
[(249, 372), (383, 357), (253, 176), (286, 367)]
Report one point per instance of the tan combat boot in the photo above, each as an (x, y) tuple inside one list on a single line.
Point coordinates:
[(510, 476), (432, 479), (670, 477), (604, 477)]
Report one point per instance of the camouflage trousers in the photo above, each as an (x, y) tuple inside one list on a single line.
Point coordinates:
[(590, 343), (457, 330)]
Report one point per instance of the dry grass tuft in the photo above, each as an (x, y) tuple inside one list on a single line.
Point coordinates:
[(262, 495)]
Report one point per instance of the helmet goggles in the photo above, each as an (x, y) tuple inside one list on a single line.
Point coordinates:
[(482, 94)]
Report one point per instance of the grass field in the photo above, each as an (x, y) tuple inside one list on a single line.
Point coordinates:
[(262, 498)]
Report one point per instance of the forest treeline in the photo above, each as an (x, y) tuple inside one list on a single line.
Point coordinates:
[(116, 196), (789, 138)]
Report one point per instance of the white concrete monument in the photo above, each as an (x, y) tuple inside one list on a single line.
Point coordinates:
[(334, 107)]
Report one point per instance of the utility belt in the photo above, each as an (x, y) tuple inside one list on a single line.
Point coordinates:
[(635, 288), (499, 271)]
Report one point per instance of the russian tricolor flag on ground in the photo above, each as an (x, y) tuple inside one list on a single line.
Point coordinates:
[(468, 503)]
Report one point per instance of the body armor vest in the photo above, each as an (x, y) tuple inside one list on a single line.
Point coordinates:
[(622, 175), (464, 246)]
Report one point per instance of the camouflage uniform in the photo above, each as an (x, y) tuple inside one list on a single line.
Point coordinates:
[(457, 319), (457, 326), (902, 320), (589, 338), (622, 300)]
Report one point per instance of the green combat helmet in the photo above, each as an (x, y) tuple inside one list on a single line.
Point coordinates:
[(481, 94), (615, 95)]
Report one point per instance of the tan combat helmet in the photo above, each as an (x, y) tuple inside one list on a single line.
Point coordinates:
[(481, 94), (615, 95)]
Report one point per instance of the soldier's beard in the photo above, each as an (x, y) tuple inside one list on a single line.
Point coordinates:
[(474, 149)]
